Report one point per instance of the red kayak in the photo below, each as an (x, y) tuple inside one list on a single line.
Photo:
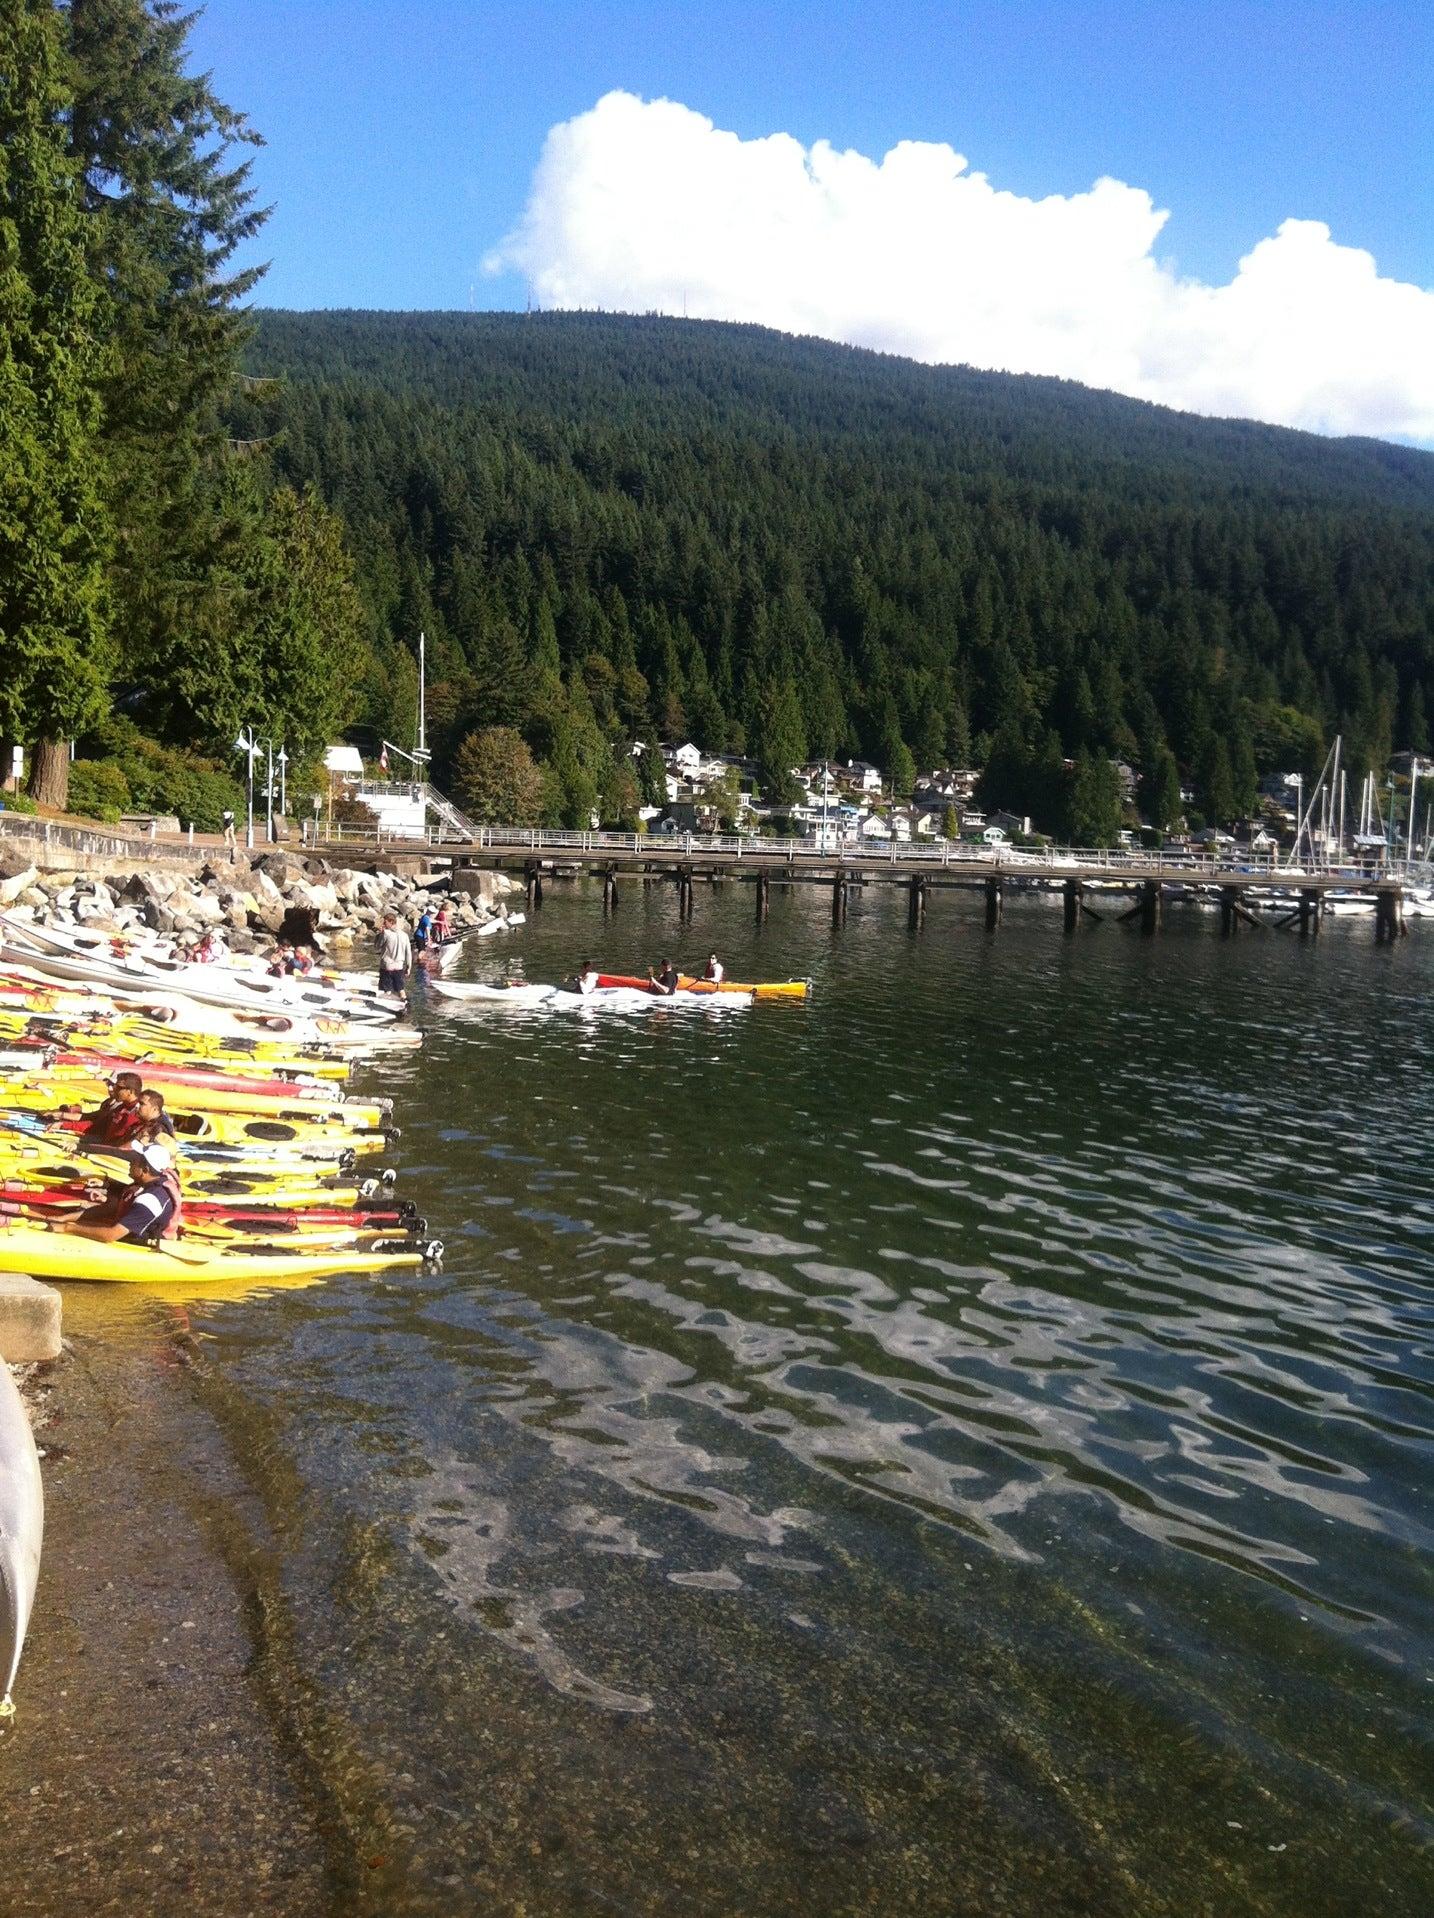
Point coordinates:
[(104, 1065), (229, 1211)]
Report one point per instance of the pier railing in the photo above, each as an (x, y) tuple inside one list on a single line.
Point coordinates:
[(1203, 866)]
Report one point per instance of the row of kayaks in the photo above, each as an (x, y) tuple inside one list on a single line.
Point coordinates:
[(273, 1154), (621, 992)]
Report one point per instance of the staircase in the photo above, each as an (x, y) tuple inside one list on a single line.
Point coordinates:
[(452, 824)]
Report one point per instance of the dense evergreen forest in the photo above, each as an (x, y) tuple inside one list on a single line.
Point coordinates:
[(612, 529), (160, 585), (613, 526)]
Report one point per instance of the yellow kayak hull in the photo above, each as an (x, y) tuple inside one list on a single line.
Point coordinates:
[(777, 989), (56, 1255)]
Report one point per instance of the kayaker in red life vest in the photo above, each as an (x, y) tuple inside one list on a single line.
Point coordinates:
[(714, 969), (147, 1210), (116, 1119), (666, 979)]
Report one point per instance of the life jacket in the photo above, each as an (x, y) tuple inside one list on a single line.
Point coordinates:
[(112, 1124), (168, 1228)]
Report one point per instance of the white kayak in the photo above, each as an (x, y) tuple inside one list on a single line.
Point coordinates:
[(605, 999), (22, 1527), (516, 994)]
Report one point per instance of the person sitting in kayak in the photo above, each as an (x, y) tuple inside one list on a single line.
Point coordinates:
[(302, 963), (281, 962), (208, 950), (587, 978), (154, 1121), (146, 1211), (115, 1120), (665, 980), (713, 973)]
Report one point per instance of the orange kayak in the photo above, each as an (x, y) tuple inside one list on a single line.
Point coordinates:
[(777, 989)]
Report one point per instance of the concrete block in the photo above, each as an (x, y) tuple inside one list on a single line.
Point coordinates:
[(29, 1319)]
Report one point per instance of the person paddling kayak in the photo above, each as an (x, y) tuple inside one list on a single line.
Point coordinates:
[(147, 1210), (714, 973), (115, 1120), (664, 981), (587, 978)]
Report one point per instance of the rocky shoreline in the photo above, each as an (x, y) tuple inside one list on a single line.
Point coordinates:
[(251, 900)]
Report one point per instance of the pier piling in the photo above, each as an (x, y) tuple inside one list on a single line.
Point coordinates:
[(609, 894), (916, 903), (1071, 895), (1150, 906), (763, 897), (839, 899), (1388, 914), (533, 888), (995, 900)]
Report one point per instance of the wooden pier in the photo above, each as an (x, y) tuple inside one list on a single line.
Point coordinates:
[(1095, 887)]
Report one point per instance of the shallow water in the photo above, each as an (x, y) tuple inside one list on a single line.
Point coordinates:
[(958, 1445)]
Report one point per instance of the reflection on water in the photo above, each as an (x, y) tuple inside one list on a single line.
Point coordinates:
[(959, 1444)]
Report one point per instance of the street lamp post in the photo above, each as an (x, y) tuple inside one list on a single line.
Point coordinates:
[(250, 743), (283, 783), (247, 744)]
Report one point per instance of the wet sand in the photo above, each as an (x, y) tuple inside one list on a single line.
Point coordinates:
[(144, 1771)]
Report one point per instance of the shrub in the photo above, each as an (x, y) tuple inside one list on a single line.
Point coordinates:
[(98, 789), (165, 779), (21, 803)]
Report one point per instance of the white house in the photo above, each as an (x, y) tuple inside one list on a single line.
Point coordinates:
[(865, 777), (684, 760)]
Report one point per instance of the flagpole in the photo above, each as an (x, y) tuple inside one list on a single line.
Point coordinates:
[(422, 712)]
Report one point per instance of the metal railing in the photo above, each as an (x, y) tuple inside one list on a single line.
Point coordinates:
[(1202, 866)]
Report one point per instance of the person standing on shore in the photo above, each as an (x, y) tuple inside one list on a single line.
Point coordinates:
[(231, 844), (395, 955)]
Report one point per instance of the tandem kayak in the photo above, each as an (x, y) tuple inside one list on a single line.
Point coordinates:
[(56, 1255), (770, 989)]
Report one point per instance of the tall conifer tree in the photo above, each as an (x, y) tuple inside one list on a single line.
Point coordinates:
[(52, 525), (167, 205)]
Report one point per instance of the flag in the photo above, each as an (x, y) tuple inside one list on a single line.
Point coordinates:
[(383, 760)]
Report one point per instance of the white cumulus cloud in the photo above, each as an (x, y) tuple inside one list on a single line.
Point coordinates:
[(639, 205)]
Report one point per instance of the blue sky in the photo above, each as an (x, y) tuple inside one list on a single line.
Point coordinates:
[(402, 139)]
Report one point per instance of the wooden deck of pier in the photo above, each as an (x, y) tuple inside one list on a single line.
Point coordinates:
[(1094, 886)]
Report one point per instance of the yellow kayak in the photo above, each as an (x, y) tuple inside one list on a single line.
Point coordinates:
[(75, 1085), (141, 1039), (773, 989), (331, 1126), (57, 1255), (48, 1163)]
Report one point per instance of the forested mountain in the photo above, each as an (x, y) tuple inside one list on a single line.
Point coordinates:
[(614, 526)]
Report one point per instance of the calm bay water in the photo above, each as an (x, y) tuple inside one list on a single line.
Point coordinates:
[(961, 1445)]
